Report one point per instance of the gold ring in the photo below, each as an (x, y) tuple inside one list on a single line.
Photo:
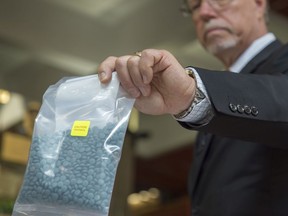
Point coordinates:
[(139, 54)]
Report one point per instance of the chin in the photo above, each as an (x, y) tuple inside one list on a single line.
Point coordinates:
[(217, 48)]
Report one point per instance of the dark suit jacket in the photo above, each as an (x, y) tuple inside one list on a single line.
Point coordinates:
[(240, 166)]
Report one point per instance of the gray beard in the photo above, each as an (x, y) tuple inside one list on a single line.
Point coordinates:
[(218, 48)]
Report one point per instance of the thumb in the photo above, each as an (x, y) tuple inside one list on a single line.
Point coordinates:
[(106, 68)]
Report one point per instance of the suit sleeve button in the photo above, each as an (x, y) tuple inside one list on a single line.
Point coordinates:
[(240, 108), (233, 107), (254, 111), (247, 110)]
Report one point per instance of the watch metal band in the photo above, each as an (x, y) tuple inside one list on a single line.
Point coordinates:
[(199, 96)]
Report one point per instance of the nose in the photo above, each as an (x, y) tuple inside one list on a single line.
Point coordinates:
[(206, 11)]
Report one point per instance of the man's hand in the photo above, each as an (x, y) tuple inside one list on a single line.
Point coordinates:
[(156, 79)]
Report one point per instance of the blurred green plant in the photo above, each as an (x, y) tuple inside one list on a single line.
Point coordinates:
[(6, 206)]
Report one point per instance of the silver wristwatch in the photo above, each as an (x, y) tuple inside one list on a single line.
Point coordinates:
[(199, 96)]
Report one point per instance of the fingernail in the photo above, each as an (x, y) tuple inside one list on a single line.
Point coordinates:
[(145, 80), (135, 93), (102, 75), (144, 91)]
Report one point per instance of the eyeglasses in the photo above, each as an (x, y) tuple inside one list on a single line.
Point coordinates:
[(192, 6)]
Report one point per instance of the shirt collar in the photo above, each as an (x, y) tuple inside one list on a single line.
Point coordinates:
[(256, 47)]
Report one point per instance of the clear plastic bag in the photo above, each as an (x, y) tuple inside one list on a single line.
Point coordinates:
[(76, 147)]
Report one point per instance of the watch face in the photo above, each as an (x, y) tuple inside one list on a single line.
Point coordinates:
[(199, 96)]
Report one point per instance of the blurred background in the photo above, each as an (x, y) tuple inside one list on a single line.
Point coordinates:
[(42, 41)]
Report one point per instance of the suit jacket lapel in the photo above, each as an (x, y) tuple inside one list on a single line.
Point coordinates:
[(261, 57)]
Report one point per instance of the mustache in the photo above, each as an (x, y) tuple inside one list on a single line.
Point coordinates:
[(216, 24)]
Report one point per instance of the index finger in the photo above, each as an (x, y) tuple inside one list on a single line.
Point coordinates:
[(152, 61)]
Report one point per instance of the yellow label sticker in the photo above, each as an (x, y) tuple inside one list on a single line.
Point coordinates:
[(80, 128)]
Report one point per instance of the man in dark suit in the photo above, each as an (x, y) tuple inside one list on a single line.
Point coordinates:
[(240, 166)]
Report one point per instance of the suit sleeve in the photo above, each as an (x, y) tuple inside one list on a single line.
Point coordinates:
[(252, 107)]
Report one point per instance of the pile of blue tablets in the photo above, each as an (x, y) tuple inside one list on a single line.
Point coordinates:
[(76, 172)]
